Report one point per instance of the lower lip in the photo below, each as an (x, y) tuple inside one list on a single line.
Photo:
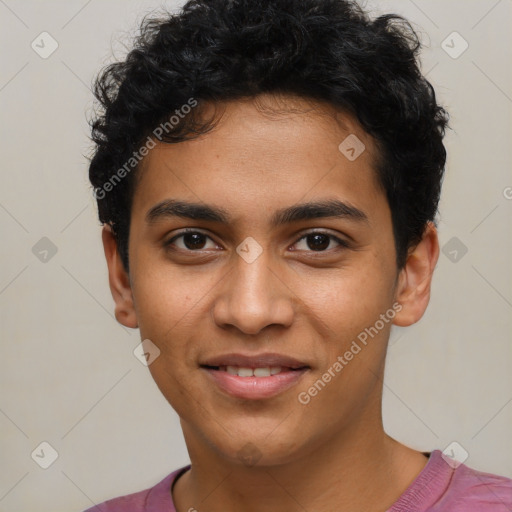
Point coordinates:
[(255, 388)]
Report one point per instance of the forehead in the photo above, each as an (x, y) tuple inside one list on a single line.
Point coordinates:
[(263, 151)]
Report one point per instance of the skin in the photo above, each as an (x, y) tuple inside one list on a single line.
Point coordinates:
[(193, 304)]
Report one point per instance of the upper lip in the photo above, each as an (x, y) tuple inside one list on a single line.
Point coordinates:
[(254, 361)]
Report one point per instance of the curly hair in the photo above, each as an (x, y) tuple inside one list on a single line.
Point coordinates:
[(323, 50)]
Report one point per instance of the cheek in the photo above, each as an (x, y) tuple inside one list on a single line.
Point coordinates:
[(346, 300), (169, 311), (165, 294), (166, 304), (354, 346)]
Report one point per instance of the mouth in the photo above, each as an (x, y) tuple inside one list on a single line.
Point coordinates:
[(254, 377)]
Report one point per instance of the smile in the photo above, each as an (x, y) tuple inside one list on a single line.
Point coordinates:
[(254, 377), (241, 371)]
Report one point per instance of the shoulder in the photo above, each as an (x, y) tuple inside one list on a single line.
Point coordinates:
[(476, 490), (445, 485), (158, 497), (135, 502)]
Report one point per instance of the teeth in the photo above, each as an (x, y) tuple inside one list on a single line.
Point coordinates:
[(262, 372), (233, 370), (245, 372), (241, 371)]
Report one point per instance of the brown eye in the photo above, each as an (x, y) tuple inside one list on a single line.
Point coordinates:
[(320, 242), (194, 240), (191, 241)]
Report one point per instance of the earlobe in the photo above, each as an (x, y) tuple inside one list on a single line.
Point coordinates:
[(413, 288), (119, 281)]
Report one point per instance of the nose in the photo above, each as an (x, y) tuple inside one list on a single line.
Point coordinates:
[(252, 297)]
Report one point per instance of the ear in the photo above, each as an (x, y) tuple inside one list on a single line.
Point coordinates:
[(119, 281), (414, 280)]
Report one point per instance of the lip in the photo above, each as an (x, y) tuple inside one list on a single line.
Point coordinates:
[(254, 388)]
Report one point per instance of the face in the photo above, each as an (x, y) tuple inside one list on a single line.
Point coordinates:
[(259, 254)]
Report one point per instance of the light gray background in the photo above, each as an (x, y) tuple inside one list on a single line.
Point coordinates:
[(68, 374)]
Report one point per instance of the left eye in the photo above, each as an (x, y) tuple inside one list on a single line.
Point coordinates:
[(318, 242)]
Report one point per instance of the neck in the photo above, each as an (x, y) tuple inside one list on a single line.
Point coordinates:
[(352, 472)]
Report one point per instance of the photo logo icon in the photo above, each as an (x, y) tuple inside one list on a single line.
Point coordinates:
[(455, 454), (249, 250), (352, 147), (44, 45), (454, 45), (44, 455), (249, 454), (146, 352), (454, 250), (44, 250)]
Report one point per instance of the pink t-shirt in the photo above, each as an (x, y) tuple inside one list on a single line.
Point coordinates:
[(439, 487)]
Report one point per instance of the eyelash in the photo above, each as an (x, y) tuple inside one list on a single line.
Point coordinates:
[(341, 243)]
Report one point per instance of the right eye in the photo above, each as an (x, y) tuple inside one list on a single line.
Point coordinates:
[(191, 241)]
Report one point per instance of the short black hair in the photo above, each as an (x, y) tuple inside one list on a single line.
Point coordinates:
[(324, 50)]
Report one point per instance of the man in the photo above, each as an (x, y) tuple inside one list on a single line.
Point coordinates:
[(268, 174)]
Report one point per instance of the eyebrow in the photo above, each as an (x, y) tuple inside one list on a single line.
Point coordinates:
[(300, 212)]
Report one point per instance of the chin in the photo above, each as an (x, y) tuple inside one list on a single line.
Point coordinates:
[(259, 448)]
